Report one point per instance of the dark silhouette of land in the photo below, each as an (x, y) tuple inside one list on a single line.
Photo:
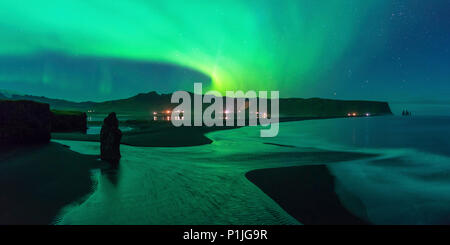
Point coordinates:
[(142, 105)]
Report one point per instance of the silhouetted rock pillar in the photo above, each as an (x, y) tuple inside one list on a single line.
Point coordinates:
[(110, 136)]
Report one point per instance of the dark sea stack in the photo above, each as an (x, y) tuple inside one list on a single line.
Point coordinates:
[(110, 136), (24, 122), (68, 121)]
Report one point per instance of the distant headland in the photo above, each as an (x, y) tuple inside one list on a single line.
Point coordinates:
[(146, 103)]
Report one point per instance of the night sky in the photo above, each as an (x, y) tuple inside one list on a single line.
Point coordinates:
[(343, 49)]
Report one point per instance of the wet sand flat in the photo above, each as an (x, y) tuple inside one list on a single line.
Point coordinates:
[(202, 185)]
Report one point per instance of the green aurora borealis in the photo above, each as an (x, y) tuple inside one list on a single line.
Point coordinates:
[(302, 48)]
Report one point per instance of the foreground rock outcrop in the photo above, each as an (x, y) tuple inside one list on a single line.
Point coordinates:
[(110, 137), (24, 122)]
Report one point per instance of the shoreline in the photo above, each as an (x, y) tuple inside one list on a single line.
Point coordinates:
[(39, 158), (307, 193), (167, 135)]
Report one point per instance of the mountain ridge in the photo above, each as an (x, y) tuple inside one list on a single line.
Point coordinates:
[(146, 103)]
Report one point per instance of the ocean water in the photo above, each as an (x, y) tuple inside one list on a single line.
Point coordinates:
[(407, 182), (97, 129)]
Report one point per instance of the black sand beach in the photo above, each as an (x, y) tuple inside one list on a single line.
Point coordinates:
[(37, 181), (305, 192)]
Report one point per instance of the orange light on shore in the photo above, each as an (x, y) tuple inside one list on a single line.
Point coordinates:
[(354, 114), (168, 112)]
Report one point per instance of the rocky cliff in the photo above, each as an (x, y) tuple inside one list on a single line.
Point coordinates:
[(64, 121), (24, 122)]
